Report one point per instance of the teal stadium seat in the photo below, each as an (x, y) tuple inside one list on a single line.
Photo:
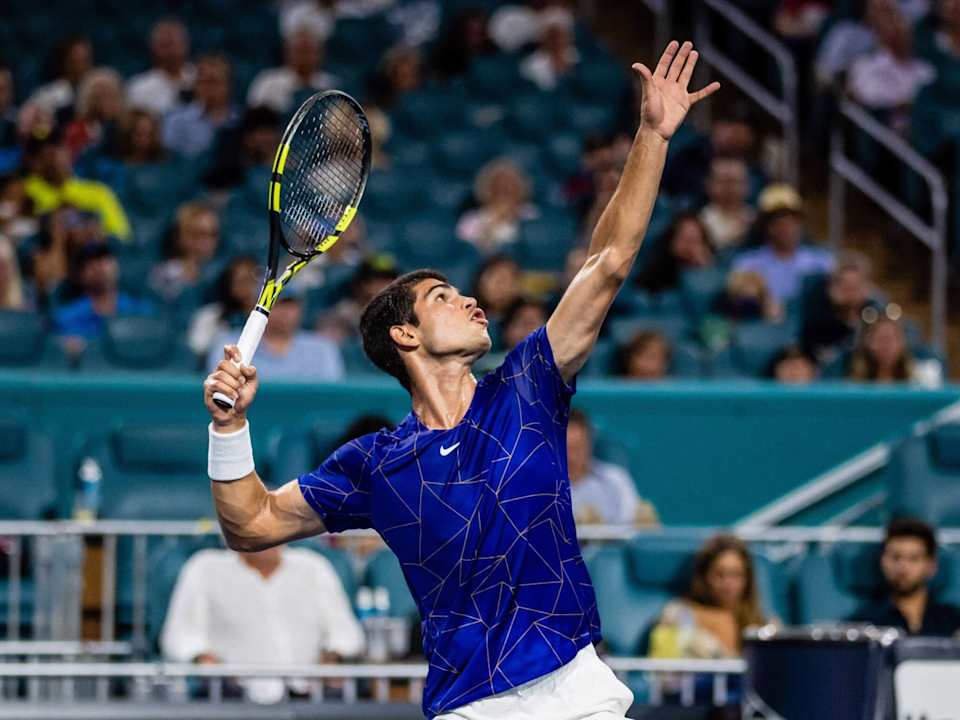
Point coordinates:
[(355, 360), (563, 151), (28, 488), (138, 343), (544, 242), (296, 452), (462, 153), (494, 78), (411, 157), (924, 476), (590, 119), (25, 342), (425, 114), (534, 116), (673, 327), (598, 82), (699, 290), (384, 570), (392, 197), (430, 242), (754, 346)]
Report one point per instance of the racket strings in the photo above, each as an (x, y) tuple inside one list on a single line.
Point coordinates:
[(324, 171)]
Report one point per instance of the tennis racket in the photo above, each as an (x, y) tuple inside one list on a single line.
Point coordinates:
[(319, 173)]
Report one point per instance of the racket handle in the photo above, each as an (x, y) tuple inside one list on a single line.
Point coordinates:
[(247, 345)]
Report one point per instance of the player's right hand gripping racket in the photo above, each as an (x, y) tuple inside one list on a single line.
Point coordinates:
[(319, 173)]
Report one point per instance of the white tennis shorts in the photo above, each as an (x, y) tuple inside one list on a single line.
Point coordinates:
[(583, 689)]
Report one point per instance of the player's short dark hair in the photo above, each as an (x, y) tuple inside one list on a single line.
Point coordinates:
[(392, 306), (912, 528)]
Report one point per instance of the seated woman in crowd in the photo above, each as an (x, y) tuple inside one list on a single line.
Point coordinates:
[(503, 192), (195, 242), (237, 289), (882, 355), (747, 298), (709, 621), (688, 247), (646, 357), (793, 366), (496, 286)]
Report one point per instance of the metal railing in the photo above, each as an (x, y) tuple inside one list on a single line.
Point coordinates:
[(663, 14), (844, 169), (783, 109)]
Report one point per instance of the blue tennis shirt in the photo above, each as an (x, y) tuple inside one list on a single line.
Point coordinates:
[(480, 518)]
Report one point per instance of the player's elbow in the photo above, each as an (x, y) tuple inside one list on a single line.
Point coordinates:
[(614, 264)]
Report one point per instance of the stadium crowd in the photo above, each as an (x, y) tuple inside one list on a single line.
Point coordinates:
[(499, 130)]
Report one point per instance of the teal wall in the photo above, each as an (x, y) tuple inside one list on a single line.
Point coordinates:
[(705, 454)]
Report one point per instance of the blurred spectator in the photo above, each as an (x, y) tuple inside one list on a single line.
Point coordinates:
[(140, 139), (16, 210), (882, 354), (503, 191), (276, 88), (256, 137), (889, 77), (317, 16), (236, 294), (746, 298), (400, 72), (342, 322), (601, 492), (96, 269), (783, 261), (522, 317), (908, 562), (73, 59), (688, 247), (62, 234), (8, 109), (464, 38), (556, 54), (496, 286), (249, 608), (99, 107), (287, 352), (722, 602), (728, 216), (792, 366), (189, 130), (514, 27), (800, 19), (195, 241), (939, 42), (598, 155), (646, 356), (832, 316), (171, 78), (51, 183), (13, 294)]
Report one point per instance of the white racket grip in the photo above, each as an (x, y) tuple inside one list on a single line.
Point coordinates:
[(247, 345)]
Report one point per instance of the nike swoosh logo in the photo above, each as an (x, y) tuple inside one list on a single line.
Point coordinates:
[(446, 451)]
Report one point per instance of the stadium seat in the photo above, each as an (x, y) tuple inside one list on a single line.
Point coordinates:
[(426, 114), (494, 78), (590, 119), (674, 327), (461, 154), (392, 197), (384, 570), (355, 361), (155, 190), (924, 476), (293, 453), (563, 151), (25, 342), (138, 343), (544, 242), (832, 581), (699, 291), (534, 116), (598, 82), (430, 242), (754, 346), (28, 488)]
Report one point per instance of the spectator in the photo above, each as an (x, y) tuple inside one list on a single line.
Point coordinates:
[(8, 109), (908, 562), (747, 298), (317, 16), (236, 293), (882, 354), (195, 241), (16, 211), (257, 138), (189, 130), (287, 352), (503, 191), (13, 295), (515, 26), (889, 77), (400, 73), (342, 322), (62, 234), (722, 602), (688, 247), (97, 270), (277, 88), (783, 261), (140, 139), (496, 286), (171, 79), (99, 107), (728, 216), (464, 39), (832, 315), (522, 317), (601, 492), (249, 608), (792, 366), (556, 54), (598, 155), (73, 60), (51, 183), (646, 356)]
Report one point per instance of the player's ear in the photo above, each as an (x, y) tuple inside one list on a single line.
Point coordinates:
[(404, 336)]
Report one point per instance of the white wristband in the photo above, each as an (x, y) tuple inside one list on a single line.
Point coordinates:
[(230, 455)]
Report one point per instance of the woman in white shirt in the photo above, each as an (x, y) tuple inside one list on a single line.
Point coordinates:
[(504, 195)]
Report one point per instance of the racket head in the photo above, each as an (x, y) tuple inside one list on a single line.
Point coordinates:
[(319, 173)]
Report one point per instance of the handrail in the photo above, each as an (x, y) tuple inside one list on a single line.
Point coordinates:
[(56, 648), (934, 236), (785, 109), (664, 21)]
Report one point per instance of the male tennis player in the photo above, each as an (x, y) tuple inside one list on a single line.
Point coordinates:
[(471, 489)]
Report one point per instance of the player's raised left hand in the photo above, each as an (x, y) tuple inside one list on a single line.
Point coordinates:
[(666, 100)]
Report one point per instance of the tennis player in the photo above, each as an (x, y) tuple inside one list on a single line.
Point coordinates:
[(471, 490)]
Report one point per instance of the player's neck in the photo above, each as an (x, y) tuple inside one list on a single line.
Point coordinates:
[(441, 397)]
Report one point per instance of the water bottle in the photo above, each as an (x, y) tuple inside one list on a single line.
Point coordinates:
[(88, 493), (369, 604), (381, 602), (364, 603)]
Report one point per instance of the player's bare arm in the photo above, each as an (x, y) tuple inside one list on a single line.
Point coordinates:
[(575, 324), (251, 517)]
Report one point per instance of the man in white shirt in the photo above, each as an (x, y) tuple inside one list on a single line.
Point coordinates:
[(276, 87), (159, 89), (728, 216), (74, 61), (556, 55), (283, 606)]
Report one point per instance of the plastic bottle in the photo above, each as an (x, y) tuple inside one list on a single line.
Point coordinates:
[(88, 491)]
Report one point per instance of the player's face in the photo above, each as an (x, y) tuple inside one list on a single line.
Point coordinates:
[(450, 323), (906, 565), (727, 579)]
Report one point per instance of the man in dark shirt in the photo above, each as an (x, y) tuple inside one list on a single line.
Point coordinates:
[(909, 562)]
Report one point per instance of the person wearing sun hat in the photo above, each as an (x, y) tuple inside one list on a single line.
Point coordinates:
[(784, 259)]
